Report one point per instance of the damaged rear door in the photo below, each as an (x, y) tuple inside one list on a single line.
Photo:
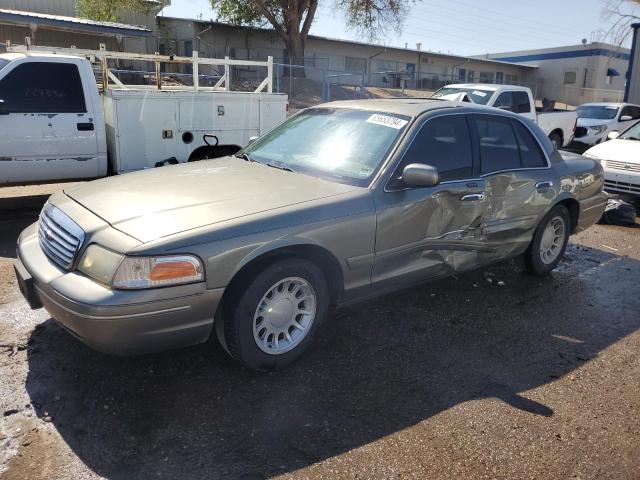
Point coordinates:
[(432, 231), (46, 129)]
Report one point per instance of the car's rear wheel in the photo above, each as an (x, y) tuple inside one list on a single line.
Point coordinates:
[(272, 319), (549, 241)]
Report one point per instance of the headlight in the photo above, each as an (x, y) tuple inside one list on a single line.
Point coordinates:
[(148, 272), (598, 128), (99, 263)]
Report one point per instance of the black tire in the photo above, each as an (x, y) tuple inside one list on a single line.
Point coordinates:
[(556, 140), (534, 262), (238, 316)]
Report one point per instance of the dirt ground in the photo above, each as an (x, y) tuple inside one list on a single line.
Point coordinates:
[(492, 374)]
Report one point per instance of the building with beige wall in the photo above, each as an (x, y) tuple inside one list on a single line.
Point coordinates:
[(55, 23), (575, 74), (335, 61)]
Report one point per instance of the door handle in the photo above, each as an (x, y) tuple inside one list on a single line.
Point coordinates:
[(85, 127), (473, 197), (544, 184)]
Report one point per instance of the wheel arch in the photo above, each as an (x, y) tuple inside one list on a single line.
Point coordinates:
[(573, 206), (261, 258), (559, 133)]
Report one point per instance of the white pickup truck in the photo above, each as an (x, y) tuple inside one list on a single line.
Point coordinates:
[(559, 125), (58, 123)]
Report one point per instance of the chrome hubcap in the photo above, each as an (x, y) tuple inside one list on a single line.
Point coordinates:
[(284, 315), (552, 240)]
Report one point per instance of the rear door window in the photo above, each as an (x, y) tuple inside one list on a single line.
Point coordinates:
[(444, 143), (531, 155), (43, 87), (498, 145)]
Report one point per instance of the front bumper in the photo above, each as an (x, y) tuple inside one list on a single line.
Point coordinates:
[(115, 321), (619, 181)]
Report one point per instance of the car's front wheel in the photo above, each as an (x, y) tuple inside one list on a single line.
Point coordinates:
[(549, 241), (272, 319)]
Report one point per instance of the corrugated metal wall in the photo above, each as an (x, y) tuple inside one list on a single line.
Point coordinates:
[(68, 8)]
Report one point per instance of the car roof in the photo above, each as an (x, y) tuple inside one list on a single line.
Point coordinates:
[(10, 56), (411, 107), (603, 104)]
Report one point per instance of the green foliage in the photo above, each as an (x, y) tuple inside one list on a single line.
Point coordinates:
[(109, 10), (241, 12)]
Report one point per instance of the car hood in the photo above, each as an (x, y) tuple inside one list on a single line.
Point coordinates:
[(152, 204), (618, 149), (589, 122)]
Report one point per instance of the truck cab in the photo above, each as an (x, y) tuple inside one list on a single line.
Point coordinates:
[(51, 119)]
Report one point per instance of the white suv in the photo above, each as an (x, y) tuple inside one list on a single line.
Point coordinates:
[(596, 120)]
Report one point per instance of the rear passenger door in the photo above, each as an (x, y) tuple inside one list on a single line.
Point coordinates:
[(517, 178), (431, 231)]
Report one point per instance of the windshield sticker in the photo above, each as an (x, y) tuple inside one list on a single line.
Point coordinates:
[(479, 93), (365, 171), (611, 108), (387, 121)]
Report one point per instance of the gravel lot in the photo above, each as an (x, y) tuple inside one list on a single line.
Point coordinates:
[(460, 378)]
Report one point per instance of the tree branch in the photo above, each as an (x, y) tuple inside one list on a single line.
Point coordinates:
[(312, 6), (262, 6)]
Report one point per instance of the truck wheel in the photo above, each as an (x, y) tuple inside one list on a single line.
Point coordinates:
[(274, 317), (556, 140), (549, 241)]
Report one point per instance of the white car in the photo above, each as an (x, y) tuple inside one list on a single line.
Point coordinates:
[(620, 159), (596, 120)]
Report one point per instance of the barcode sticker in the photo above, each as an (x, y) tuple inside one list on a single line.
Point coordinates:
[(387, 121), (479, 93)]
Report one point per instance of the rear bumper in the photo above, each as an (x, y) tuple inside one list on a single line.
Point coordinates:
[(111, 321)]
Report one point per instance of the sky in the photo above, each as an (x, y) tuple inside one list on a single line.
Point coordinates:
[(462, 27)]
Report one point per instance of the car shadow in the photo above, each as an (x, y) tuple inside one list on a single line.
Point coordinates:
[(17, 213), (375, 369)]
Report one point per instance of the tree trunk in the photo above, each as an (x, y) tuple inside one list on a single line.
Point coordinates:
[(295, 52)]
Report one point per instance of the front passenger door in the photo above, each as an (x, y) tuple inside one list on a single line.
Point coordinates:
[(431, 231)]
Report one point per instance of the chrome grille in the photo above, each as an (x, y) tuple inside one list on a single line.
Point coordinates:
[(60, 237), (627, 167), (625, 187)]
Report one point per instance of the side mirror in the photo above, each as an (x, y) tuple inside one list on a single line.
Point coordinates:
[(419, 175), (613, 135), (4, 108), (625, 118)]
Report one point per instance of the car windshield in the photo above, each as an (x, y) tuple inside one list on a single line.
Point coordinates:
[(631, 133), (476, 95), (337, 143), (600, 112)]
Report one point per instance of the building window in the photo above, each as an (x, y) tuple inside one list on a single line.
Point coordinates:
[(486, 77), (471, 76), (569, 78), (462, 74), (511, 79), (355, 64), (499, 77)]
